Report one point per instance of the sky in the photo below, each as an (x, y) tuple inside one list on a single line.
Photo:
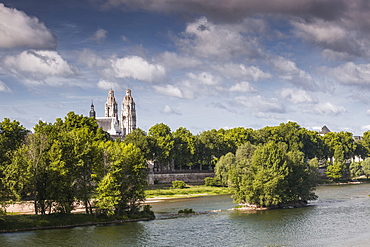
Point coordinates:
[(198, 64)]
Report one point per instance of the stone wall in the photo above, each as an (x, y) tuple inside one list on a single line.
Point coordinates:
[(187, 177)]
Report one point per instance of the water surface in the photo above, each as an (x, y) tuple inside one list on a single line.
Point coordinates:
[(340, 217)]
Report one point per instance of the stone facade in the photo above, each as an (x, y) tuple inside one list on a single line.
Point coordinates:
[(187, 177), (110, 122), (128, 114)]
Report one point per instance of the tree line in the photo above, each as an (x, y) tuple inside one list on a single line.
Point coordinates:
[(73, 160), (67, 163)]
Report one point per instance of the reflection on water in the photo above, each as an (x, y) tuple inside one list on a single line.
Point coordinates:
[(341, 217)]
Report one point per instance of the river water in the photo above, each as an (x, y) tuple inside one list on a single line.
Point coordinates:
[(340, 217)]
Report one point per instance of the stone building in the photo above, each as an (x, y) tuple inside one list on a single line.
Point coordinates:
[(128, 123), (111, 122)]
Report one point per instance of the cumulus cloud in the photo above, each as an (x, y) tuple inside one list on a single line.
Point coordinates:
[(92, 60), (169, 90), (241, 71), (289, 71), (173, 60), (205, 39), (261, 104), (335, 38), (201, 84), (4, 88), (99, 35), (298, 96), (103, 84), (137, 68), (170, 110), (328, 108), (38, 65), (351, 74), (243, 86), (17, 29), (235, 10)]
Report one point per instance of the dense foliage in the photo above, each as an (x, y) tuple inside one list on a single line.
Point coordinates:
[(74, 161)]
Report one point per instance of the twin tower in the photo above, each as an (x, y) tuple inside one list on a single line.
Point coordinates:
[(111, 123)]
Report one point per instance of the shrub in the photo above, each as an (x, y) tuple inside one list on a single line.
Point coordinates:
[(178, 184), (186, 211), (209, 181)]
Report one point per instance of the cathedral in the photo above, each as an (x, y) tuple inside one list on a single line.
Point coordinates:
[(113, 124)]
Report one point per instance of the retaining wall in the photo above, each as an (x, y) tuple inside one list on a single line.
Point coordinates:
[(164, 178)]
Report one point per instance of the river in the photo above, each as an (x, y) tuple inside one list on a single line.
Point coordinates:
[(340, 217)]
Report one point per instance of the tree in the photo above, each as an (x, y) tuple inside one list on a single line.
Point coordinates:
[(122, 187), (163, 143), (275, 177), (366, 167), (355, 169), (223, 167), (140, 139), (184, 147), (12, 134)]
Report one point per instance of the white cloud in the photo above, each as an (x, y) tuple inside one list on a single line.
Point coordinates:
[(351, 73), (92, 60), (169, 90), (261, 104), (137, 68), (321, 31), (172, 60), (289, 71), (240, 71), (19, 30), (170, 111), (205, 39), (4, 88), (204, 78), (103, 84), (365, 127), (99, 35), (38, 65), (243, 86), (328, 109), (297, 96)]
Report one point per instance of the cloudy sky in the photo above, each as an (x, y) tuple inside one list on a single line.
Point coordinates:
[(199, 64)]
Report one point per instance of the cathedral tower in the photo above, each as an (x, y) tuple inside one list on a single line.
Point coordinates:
[(92, 111), (128, 122), (111, 109)]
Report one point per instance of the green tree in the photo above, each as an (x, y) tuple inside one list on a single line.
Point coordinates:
[(12, 134), (122, 188), (163, 143), (140, 139), (275, 176), (355, 169), (366, 167), (223, 167), (184, 147)]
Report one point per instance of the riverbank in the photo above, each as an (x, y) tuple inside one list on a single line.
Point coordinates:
[(163, 192), (16, 223)]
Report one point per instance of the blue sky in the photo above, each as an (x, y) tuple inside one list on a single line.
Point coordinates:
[(199, 64)]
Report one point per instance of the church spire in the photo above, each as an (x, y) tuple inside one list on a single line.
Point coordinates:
[(128, 122), (92, 110), (111, 109)]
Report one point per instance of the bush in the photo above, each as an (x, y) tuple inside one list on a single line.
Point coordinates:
[(178, 184), (209, 181), (186, 211)]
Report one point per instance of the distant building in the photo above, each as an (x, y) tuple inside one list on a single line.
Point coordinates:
[(110, 122), (324, 130), (128, 123)]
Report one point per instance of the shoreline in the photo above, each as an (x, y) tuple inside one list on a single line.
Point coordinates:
[(75, 225)]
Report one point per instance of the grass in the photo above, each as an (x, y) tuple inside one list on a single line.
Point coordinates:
[(13, 223), (190, 190)]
